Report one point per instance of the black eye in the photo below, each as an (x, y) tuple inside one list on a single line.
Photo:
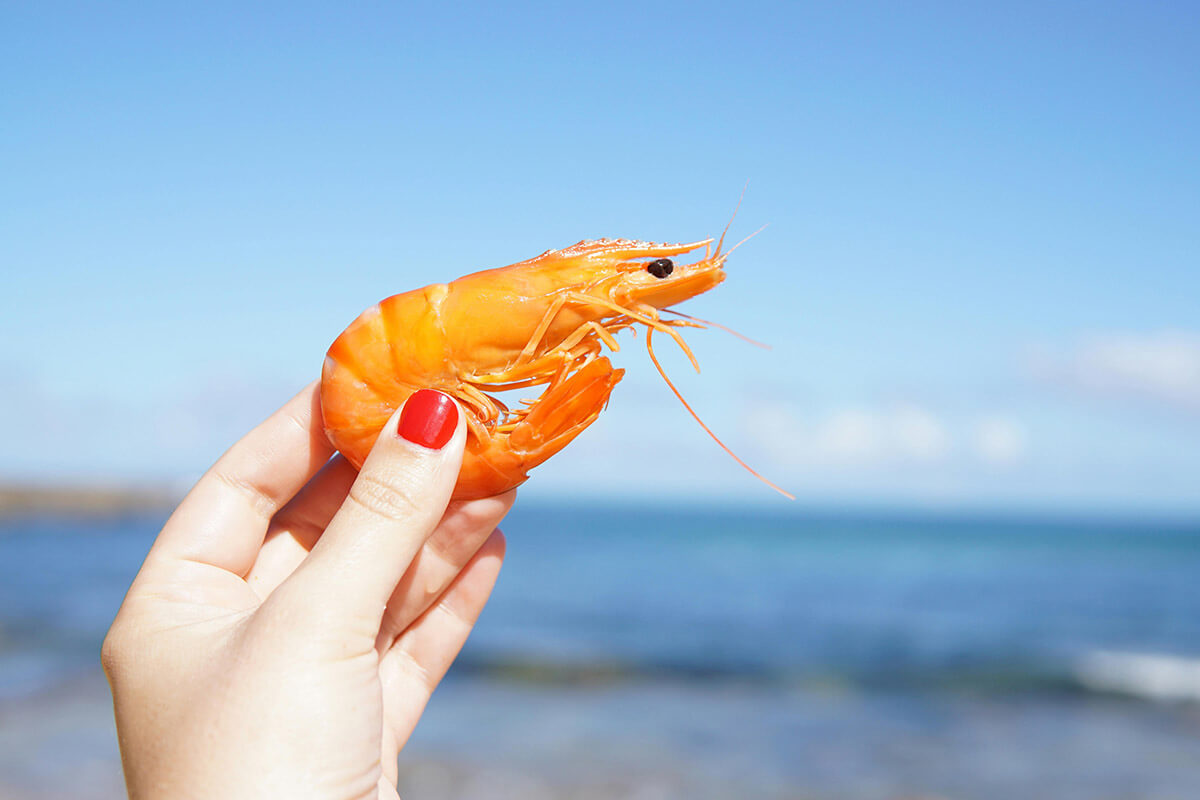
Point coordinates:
[(660, 268)]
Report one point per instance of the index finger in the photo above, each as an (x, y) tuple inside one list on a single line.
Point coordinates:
[(224, 518)]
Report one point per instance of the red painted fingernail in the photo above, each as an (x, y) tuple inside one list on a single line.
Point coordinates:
[(428, 419)]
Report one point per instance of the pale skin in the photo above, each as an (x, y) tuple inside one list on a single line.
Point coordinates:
[(291, 620)]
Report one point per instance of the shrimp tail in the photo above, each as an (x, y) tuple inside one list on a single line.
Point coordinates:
[(503, 457)]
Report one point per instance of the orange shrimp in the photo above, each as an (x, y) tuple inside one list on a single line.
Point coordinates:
[(540, 321)]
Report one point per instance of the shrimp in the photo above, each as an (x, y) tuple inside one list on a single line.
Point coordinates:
[(543, 321)]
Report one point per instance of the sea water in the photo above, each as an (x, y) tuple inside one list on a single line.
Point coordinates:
[(764, 654)]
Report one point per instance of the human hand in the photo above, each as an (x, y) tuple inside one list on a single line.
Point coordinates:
[(291, 620)]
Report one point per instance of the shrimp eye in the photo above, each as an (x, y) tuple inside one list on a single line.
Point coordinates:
[(660, 268)]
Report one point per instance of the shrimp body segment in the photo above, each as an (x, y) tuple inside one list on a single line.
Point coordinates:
[(540, 322)]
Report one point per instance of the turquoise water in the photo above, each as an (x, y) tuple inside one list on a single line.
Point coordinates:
[(1003, 604), (751, 651), (892, 602)]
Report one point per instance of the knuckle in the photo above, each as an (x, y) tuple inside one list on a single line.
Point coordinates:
[(383, 498), (481, 515), (415, 671), (486, 512), (455, 616), (114, 652), (255, 496)]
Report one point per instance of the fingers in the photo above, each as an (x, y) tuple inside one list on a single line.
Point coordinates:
[(223, 519), (393, 506), (460, 534), (416, 664), (295, 529)]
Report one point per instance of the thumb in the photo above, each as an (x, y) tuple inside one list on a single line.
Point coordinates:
[(394, 505)]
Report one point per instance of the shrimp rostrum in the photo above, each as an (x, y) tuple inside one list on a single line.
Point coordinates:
[(541, 322)]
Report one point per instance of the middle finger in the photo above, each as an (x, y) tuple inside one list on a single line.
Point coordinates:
[(458, 537)]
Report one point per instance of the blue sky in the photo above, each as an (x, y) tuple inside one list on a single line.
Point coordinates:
[(980, 273)]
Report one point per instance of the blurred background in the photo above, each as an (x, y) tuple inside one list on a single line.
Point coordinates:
[(979, 279)]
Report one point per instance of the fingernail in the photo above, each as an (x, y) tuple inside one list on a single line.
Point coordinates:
[(428, 419)]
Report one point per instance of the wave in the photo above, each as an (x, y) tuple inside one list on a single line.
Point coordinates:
[(1152, 676)]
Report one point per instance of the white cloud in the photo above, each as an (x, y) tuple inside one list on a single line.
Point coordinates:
[(1162, 367), (850, 437), (919, 435), (776, 429), (999, 440)]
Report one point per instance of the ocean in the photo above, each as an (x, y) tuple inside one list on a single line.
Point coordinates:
[(658, 653)]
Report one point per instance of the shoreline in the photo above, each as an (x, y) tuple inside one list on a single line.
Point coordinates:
[(18, 500), (100, 499)]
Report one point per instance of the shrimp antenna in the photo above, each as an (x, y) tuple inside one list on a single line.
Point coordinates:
[(695, 416), (748, 238), (725, 328), (741, 197)]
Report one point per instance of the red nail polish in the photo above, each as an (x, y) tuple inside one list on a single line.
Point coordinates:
[(428, 419)]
